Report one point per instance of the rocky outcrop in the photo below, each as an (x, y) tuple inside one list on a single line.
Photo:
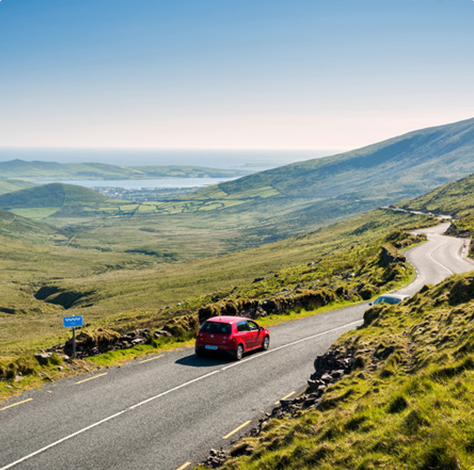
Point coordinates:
[(390, 255)]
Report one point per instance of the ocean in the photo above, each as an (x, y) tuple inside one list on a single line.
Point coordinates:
[(252, 160)]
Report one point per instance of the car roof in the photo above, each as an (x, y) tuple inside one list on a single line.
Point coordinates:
[(227, 319), (395, 296)]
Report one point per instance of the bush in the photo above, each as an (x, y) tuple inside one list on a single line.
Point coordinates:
[(182, 328), (24, 365), (367, 291)]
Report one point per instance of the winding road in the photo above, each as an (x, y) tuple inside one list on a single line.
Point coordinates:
[(165, 412)]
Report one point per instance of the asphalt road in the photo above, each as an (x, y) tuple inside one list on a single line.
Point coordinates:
[(165, 412)]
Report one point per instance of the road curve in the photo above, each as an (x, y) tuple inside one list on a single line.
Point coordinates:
[(166, 411), (440, 258)]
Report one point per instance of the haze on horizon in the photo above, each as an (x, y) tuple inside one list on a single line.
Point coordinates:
[(280, 74)]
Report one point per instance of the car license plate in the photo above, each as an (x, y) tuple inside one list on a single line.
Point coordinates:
[(212, 348)]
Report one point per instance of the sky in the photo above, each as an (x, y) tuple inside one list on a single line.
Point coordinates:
[(222, 74)]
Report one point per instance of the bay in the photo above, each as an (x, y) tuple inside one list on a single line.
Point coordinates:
[(158, 183)]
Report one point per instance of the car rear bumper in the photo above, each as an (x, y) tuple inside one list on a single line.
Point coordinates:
[(202, 350)]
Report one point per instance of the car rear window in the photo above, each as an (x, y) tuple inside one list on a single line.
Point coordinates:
[(215, 327), (389, 300)]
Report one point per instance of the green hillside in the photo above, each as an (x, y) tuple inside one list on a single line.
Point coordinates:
[(455, 199), (310, 194), (54, 196), (8, 186), (39, 170), (16, 227)]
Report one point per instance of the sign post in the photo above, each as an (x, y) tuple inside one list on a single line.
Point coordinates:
[(73, 322)]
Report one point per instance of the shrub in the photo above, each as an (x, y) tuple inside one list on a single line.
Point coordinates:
[(367, 291)]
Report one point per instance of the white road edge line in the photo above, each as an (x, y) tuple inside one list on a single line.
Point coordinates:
[(160, 395)]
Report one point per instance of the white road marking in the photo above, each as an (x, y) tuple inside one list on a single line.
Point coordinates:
[(160, 395), (437, 262)]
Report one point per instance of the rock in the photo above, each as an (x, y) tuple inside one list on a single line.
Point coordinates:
[(309, 402), (43, 358), (285, 403), (216, 459), (313, 385), (337, 374), (327, 378), (159, 333), (18, 378)]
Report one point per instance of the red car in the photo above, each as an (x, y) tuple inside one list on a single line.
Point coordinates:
[(235, 335)]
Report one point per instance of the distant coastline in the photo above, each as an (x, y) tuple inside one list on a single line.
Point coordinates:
[(254, 160)]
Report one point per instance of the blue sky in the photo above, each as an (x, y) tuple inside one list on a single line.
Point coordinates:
[(257, 74)]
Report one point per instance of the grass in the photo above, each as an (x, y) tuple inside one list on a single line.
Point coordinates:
[(110, 286), (127, 293), (408, 404)]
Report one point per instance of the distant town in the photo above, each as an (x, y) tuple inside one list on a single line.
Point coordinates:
[(143, 194)]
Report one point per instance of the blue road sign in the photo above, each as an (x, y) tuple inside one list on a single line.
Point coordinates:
[(70, 322)]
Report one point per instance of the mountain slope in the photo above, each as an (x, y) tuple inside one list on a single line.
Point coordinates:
[(313, 193), (8, 186), (16, 227), (455, 199), (428, 157)]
